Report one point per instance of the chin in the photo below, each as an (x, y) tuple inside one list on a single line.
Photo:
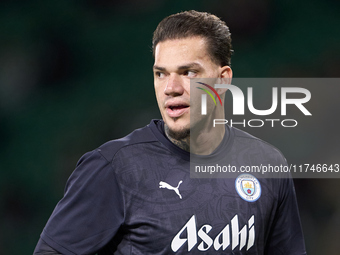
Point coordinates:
[(179, 134), (178, 130)]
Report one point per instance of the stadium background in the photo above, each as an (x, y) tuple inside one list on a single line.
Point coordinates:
[(74, 74)]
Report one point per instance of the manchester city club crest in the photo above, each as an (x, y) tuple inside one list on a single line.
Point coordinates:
[(248, 187)]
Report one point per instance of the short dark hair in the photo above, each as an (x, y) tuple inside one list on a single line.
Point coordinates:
[(193, 23)]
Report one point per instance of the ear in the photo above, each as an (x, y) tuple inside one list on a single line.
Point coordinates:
[(226, 75)]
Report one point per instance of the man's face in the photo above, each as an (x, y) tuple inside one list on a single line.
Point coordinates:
[(176, 62)]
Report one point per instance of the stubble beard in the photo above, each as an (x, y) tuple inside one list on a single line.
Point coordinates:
[(180, 138), (178, 135)]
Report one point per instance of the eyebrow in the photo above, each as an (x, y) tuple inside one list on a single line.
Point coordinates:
[(183, 67)]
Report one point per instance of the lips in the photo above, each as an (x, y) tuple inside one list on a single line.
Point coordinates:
[(176, 109)]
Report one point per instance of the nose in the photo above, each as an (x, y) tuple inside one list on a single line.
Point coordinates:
[(174, 86)]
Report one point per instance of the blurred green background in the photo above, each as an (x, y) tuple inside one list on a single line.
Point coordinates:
[(75, 74)]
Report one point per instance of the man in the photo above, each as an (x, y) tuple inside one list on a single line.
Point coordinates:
[(135, 196)]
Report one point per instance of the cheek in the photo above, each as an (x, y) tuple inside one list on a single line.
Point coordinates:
[(158, 92), (159, 85), (159, 95)]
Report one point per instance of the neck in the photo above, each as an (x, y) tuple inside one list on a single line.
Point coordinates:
[(184, 143), (202, 141)]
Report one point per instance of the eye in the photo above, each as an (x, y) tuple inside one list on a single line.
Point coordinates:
[(190, 73), (159, 74)]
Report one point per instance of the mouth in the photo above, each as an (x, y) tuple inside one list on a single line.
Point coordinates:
[(176, 110)]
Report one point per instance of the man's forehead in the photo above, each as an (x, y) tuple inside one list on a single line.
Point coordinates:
[(197, 41), (181, 53)]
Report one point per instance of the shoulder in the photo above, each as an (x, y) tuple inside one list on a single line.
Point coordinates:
[(246, 138), (119, 152), (97, 164), (139, 136), (245, 142)]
